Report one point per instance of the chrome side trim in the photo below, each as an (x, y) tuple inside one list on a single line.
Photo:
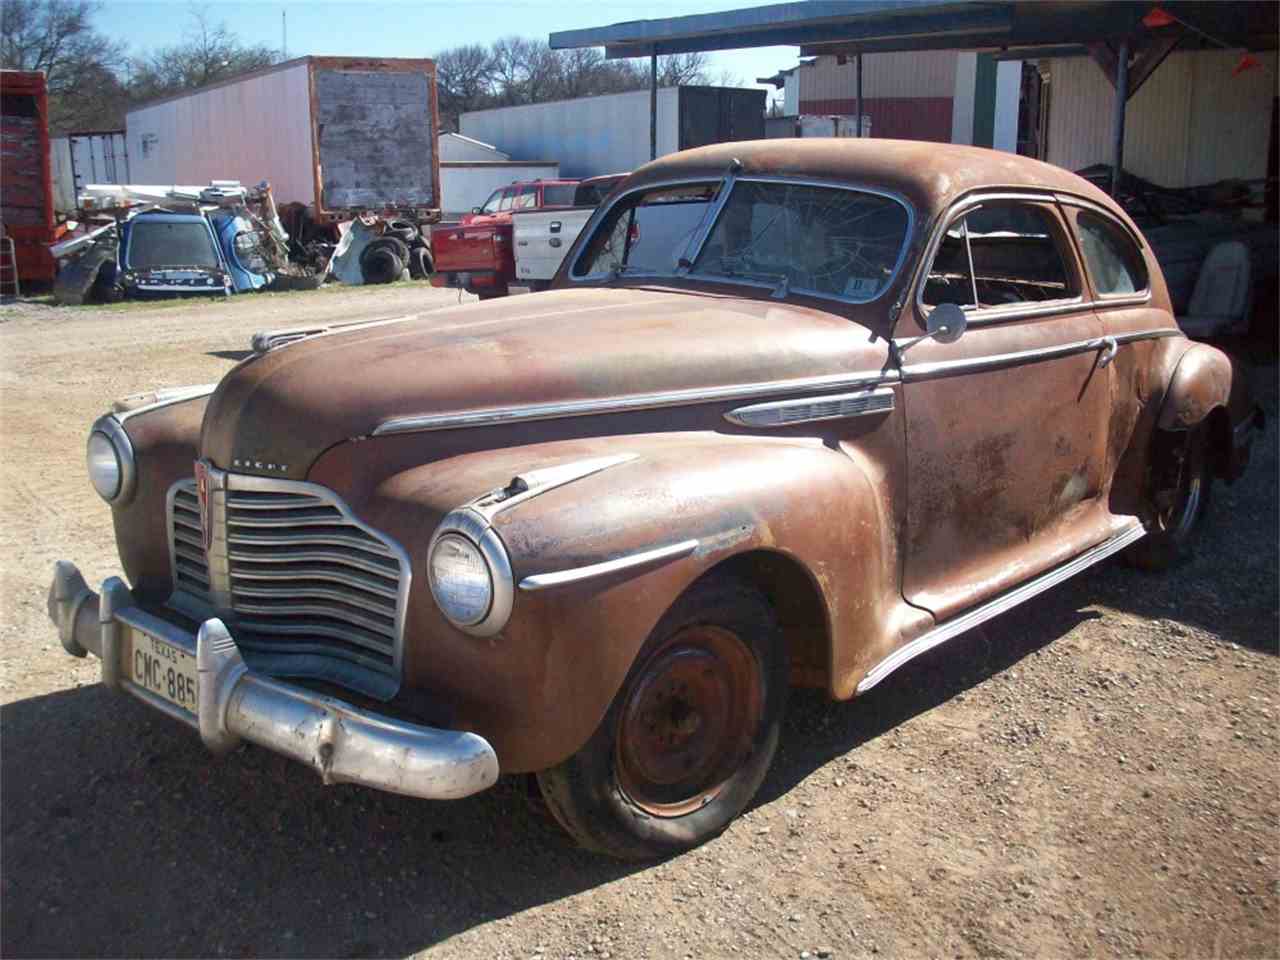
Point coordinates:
[(1001, 604), (267, 340), (544, 581), (494, 416), (532, 483), (784, 413), (167, 398), (998, 361)]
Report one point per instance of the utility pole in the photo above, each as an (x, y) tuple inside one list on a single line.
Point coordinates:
[(284, 34), (653, 104)]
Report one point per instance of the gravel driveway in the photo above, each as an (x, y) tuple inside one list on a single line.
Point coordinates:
[(1097, 772)]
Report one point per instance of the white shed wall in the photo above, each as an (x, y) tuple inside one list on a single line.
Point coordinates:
[(590, 137), (258, 128), (1191, 123), (923, 73)]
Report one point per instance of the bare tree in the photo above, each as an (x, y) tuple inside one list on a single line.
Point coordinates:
[(80, 64), (680, 69), (211, 52), (464, 81)]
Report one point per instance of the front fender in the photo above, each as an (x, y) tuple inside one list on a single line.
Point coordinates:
[(539, 689), (1201, 382)]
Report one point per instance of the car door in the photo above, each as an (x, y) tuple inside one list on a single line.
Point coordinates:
[(1006, 427)]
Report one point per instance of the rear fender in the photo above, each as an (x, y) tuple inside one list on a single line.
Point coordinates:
[(1201, 382)]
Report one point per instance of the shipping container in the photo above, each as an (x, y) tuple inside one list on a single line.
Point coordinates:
[(595, 136), (26, 183), (341, 135), (80, 159)]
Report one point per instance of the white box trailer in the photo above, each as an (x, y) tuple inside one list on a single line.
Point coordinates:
[(79, 159), (595, 136), (341, 135)]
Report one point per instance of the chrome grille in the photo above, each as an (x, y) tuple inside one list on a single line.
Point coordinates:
[(293, 571)]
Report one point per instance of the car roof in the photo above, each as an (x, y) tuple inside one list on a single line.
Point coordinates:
[(928, 175)]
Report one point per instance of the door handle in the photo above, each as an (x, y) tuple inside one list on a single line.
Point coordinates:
[(1109, 350), (555, 226)]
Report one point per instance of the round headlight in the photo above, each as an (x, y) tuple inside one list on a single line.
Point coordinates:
[(461, 580), (105, 472)]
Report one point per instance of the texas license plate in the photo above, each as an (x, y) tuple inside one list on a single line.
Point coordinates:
[(163, 669)]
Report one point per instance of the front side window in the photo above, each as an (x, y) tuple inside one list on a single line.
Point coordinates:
[(491, 205), (996, 255), (1115, 265), (155, 243), (507, 196)]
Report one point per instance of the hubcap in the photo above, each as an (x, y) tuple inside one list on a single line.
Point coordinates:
[(688, 721)]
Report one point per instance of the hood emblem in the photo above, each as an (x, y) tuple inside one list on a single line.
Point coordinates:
[(250, 464), (202, 495)]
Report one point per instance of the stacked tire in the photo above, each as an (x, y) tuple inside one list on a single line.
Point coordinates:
[(400, 248)]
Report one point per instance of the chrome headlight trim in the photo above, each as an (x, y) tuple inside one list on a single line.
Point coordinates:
[(111, 428), (470, 526)]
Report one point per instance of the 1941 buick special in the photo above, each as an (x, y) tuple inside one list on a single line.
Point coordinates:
[(794, 413)]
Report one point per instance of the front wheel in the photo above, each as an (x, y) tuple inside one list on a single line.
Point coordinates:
[(1182, 479), (690, 735)]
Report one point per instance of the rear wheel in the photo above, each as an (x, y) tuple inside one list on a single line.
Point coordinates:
[(1181, 483), (688, 738)]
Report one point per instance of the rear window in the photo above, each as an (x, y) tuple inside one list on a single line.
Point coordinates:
[(1115, 265), (154, 243), (558, 195)]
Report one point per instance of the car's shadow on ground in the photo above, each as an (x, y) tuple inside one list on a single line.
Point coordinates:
[(123, 837), (234, 355)]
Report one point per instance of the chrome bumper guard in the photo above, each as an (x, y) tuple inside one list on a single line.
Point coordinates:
[(342, 743)]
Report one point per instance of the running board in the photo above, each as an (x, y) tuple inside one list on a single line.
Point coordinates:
[(993, 608)]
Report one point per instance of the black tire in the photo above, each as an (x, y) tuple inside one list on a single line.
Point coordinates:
[(403, 229), (293, 281), (1181, 484), (668, 769), (420, 265), (380, 264)]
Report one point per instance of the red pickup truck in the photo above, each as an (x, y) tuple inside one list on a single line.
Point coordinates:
[(476, 253)]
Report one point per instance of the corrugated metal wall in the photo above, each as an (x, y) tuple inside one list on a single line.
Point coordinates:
[(929, 73), (1191, 123), (254, 129)]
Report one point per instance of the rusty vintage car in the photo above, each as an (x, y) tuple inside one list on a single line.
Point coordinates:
[(794, 413)]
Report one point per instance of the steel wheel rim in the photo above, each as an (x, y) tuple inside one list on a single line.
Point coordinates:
[(688, 721), (1180, 516)]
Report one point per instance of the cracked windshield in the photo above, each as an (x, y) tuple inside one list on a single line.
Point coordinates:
[(842, 243)]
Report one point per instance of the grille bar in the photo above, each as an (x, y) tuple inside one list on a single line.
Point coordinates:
[(297, 571)]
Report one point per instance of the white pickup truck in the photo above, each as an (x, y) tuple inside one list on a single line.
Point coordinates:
[(543, 237)]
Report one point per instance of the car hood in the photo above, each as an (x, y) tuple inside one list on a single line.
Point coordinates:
[(284, 408)]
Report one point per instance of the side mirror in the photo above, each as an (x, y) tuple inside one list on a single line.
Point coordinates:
[(475, 210), (946, 322)]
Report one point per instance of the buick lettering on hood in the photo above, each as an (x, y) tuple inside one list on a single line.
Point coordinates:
[(793, 413)]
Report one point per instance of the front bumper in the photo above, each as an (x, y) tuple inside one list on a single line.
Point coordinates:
[(343, 743)]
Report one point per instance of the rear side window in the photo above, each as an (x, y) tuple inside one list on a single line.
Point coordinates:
[(527, 197), (558, 195), (1115, 264), (997, 255), (507, 196)]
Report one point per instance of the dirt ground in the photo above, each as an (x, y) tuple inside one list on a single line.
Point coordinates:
[(1095, 773)]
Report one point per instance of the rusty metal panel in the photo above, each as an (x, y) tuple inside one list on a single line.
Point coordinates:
[(375, 137)]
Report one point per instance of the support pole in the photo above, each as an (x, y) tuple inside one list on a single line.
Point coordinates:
[(1122, 99), (653, 104), (859, 70)]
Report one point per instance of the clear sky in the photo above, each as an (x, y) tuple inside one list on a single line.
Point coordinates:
[(415, 28)]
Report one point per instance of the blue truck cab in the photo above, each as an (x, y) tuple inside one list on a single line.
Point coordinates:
[(185, 254)]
